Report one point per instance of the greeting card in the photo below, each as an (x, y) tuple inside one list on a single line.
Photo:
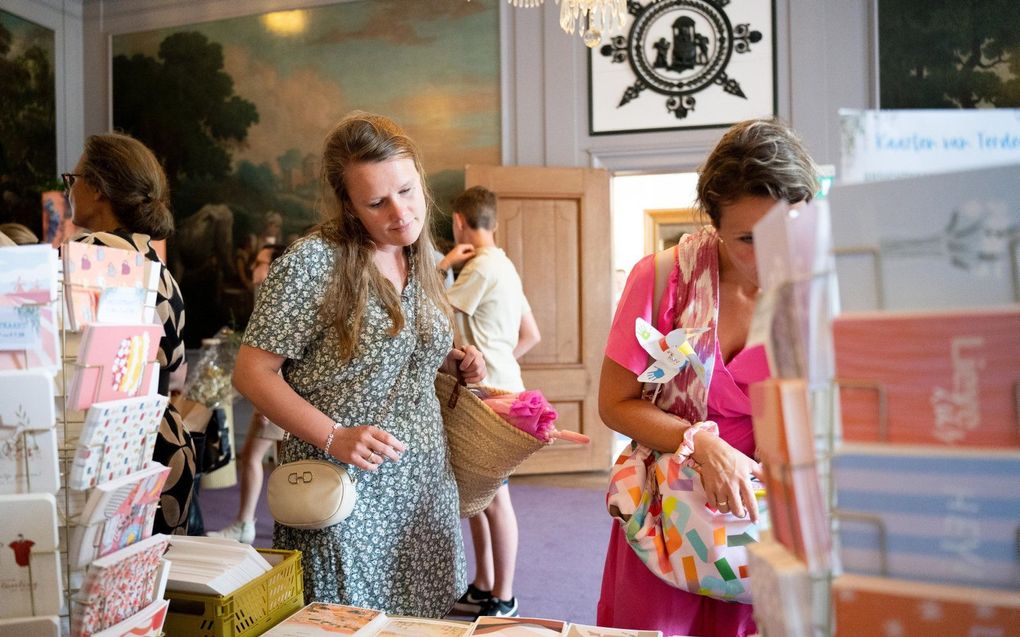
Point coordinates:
[(28, 291), (797, 510), (942, 378), (117, 438), (865, 605), (29, 559), (935, 514), (118, 586), (108, 285), (117, 514), (114, 362), (329, 620), (146, 623), (28, 442), (937, 241)]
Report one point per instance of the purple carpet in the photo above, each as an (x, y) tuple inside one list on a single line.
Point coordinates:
[(563, 536)]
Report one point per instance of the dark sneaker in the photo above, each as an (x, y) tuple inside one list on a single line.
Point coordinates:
[(473, 601), (501, 608)]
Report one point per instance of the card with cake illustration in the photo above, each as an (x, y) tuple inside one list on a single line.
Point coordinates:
[(118, 586), (28, 316), (28, 441), (115, 361), (29, 558), (938, 378), (116, 439), (104, 284), (117, 514)]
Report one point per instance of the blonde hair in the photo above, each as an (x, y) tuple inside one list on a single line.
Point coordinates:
[(760, 158), (362, 137), (126, 172), (19, 233)]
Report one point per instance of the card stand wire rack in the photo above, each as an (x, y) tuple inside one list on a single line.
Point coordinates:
[(876, 258), (820, 580)]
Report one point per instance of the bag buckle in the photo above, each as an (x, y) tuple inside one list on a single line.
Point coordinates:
[(295, 477)]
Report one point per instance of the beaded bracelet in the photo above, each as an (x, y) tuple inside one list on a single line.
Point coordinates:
[(329, 438), (686, 449)]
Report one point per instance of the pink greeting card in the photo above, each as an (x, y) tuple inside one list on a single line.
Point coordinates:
[(115, 361), (117, 586), (943, 378), (107, 285), (117, 514), (28, 291)]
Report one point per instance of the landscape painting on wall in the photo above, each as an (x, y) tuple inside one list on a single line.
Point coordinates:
[(28, 128), (946, 54), (237, 110)]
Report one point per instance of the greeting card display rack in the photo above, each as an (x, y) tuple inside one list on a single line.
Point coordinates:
[(68, 424)]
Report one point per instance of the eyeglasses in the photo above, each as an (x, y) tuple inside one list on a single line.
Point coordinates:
[(69, 179)]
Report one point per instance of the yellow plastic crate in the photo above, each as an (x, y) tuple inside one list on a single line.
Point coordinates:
[(249, 611)]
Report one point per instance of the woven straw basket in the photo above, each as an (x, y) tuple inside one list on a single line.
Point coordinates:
[(484, 448)]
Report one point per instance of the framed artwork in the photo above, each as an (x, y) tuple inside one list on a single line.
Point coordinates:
[(665, 226), (948, 55), (684, 64), (28, 123), (236, 109)]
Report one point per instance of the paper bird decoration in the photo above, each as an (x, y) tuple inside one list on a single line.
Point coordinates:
[(671, 352)]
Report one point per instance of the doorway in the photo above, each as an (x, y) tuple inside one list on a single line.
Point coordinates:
[(642, 206)]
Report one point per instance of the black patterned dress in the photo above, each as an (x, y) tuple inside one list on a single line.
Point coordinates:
[(173, 443), (401, 549)]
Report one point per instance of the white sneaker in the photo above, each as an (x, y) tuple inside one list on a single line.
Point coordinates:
[(238, 530)]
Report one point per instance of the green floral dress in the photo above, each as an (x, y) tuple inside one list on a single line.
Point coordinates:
[(401, 549)]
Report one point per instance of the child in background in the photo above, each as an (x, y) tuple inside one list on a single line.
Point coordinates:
[(262, 434)]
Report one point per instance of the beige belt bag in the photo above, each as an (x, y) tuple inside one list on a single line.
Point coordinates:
[(311, 494)]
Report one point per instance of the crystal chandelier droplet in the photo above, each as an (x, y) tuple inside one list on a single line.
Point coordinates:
[(590, 18)]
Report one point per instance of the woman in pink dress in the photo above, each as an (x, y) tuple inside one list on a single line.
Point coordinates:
[(713, 283)]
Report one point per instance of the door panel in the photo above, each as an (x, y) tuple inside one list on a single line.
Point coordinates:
[(554, 226)]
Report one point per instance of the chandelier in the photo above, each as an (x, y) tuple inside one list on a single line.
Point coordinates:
[(596, 16)]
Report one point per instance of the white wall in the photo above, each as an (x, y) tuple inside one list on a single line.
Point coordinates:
[(631, 196), (824, 54)]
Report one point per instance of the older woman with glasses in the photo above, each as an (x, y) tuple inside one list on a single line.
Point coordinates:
[(118, 192)]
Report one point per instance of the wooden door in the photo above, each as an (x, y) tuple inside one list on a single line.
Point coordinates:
[(554, 225)]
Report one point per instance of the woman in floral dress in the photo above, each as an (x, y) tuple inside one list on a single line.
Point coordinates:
[(355, 316)]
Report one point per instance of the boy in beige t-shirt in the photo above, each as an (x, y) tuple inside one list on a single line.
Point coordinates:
[(494, 316)]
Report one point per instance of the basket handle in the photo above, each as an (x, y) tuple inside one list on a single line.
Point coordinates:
[(455, 394)]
